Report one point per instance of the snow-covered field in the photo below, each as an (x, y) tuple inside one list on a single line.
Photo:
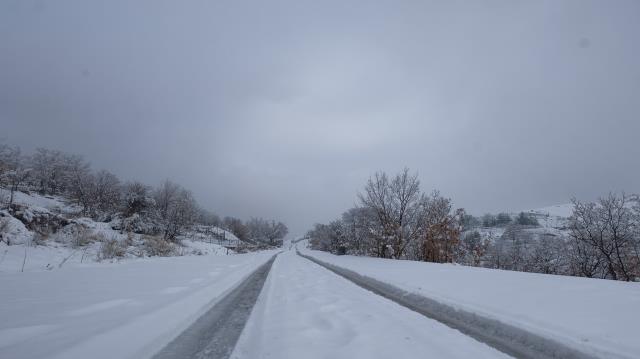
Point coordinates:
[(57, 255), (596, 316), (124, 310), (305, 311), (559, 210)]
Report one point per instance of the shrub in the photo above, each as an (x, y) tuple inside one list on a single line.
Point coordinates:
[(81, 236), (525, 219), (503, 219), (110, 249), (157, 246)]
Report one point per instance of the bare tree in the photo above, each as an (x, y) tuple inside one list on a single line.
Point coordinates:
[(584, 259), (136, 198), (549, 256), (396, 204), (266, 231), (473, 248), (164, 196), (319, 237), (81, 182), (180, 214), (106, 191), (53, 171), (329, 237), (377, 197), (441, 228), (609, 226), (360, 229), (277, 232), (208, 218), (237, 227), (13, 172)]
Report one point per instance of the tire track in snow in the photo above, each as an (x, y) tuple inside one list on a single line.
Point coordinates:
[(506, 338), (214, 334)]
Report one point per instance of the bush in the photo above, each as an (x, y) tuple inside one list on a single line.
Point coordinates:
[(80, 236), (110, 249), (157, 246), (488, 220), (502, 219), (4, 226), (40, 238), (524, 219)]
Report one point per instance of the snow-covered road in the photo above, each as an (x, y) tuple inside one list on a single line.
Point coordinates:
[(306, 311)]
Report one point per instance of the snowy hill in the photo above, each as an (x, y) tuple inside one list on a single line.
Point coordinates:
[(47, 232), (555, 217), (559, 210), (552, 221)]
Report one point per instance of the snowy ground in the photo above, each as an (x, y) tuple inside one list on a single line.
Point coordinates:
[(134, 308), (305, 311), (55, 204), (53, 256), (596, 316), (124, 310)]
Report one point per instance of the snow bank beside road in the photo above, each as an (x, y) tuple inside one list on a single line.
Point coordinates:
[(125, 310), (596, 316)]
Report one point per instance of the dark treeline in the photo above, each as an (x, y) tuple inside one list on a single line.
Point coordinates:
[(394, 219), (166, 210)]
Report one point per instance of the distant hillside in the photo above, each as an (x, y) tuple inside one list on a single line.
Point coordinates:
[(49, 232)]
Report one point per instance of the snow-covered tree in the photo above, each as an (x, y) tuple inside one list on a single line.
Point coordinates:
[(164, 196), (270, 232), (81, 183), (609, 226), (396, 203), (136, 198), (440, 229), (473, 248), (13, 170), (180, 213), (237, 227), (525, 219), (106, 191)]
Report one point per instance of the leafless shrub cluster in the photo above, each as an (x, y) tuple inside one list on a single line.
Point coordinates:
[(520, 250), (265, 231), (4, 226), (158, 246), (110, 249)]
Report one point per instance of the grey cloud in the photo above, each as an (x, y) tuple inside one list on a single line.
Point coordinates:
[(283, 109)]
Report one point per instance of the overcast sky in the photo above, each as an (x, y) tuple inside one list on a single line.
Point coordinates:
[(283, 109)]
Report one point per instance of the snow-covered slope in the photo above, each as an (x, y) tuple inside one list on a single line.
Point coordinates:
[(560, 210), (55, 204), (553, 217), (553, 221), (593, 315), (22, 249)]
